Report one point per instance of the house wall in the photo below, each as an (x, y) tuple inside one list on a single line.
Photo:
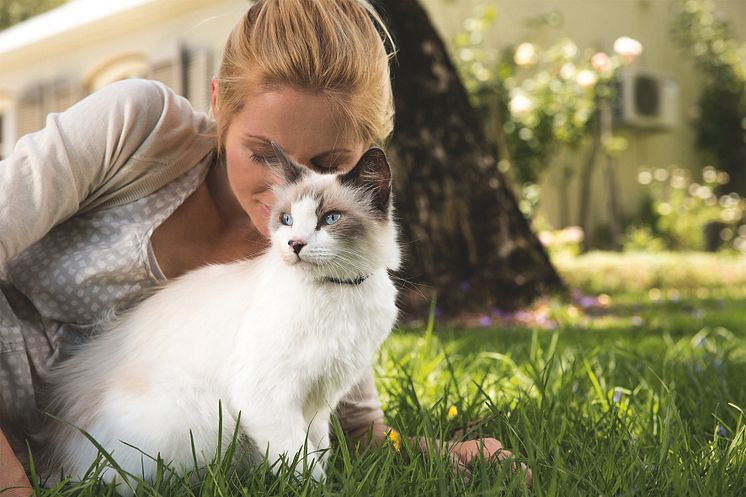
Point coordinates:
[(595, 24)]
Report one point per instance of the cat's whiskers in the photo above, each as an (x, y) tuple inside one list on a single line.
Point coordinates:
[(339, 259), (334, 264), (352, 263), (405, 283)]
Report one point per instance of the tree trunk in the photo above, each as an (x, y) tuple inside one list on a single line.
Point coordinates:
[(465, 240)]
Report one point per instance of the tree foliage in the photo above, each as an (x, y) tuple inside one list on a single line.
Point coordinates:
[(721, 124), (14, 11)]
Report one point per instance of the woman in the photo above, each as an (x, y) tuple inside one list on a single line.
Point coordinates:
[(131, 187)]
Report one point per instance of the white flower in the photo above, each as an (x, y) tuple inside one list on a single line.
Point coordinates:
[(601, 62), (567, 71), (574, 234), (628, 49), (520, 104), (586, 78), (525, 54), (569, 49)]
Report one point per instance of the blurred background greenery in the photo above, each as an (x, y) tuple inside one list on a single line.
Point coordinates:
[(543, 105)]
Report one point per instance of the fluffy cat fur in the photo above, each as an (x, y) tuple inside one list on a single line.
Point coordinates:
[(279, 339)]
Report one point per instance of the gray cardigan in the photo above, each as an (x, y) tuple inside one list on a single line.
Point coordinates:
[(115, 146)]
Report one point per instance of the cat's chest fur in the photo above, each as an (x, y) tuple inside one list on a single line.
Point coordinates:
[(315, 330), (267, 320)]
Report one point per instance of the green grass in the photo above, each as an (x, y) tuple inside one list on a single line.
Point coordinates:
[(642, 397)]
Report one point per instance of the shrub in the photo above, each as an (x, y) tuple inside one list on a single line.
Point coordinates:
[(682, 214)]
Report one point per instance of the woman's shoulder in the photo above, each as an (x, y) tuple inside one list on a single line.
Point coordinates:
[(138, 90), (146, 103), (157, 133)]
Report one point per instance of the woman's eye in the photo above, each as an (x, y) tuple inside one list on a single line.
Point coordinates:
[(332, 218), (286, 219), (260, 159)]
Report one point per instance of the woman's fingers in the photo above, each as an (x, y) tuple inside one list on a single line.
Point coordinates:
[(464, 454)]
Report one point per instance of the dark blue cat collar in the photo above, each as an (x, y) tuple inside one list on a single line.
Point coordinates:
[(355, 281)]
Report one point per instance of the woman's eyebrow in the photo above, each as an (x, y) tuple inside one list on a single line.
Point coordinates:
[(259, 138), (335, 151)]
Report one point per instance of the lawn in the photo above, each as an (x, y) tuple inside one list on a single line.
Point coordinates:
[(638, 392)]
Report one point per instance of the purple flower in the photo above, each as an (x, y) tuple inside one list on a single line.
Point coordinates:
[(722, 431), (587, 302), (617, 396), (499, 314), (522, 316), (485, 321), (464, 286)]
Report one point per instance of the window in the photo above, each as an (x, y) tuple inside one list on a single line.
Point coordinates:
[(114, 69)]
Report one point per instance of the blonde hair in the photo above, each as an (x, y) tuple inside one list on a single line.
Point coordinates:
[(335, 47)]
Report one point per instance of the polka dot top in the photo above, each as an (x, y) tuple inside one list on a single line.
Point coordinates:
[(55, 291), (94, 260)]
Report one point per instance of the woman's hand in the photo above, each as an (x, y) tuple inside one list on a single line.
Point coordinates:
[(12, 476), (464, 454)]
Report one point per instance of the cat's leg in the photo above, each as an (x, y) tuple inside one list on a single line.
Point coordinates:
[(318, 432), (280, 432)]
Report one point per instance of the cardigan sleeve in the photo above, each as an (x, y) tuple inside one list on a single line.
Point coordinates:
[(101, 144), (360, 406)]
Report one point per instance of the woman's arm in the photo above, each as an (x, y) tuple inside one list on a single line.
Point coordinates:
[(11, 472), (132, 131)]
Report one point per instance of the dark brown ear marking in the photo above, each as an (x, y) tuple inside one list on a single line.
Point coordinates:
[(291, 171), (372, 174)]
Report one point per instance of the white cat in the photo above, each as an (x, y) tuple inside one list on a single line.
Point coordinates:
[(279, 339)]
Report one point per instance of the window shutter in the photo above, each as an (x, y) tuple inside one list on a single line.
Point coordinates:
[(61, 95), (168, 72), (198, 69)]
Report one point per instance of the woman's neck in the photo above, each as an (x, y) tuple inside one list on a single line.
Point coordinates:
[(209, 227)]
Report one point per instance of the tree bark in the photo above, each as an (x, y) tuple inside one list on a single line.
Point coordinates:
[(465, 240)]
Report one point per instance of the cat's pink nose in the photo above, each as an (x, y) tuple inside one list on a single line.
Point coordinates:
[(296, 245)]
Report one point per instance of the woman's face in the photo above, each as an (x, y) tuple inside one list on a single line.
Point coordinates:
[(304, 124)]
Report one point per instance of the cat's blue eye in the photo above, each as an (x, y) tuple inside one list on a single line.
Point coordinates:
[(286, 219), (332, 218)]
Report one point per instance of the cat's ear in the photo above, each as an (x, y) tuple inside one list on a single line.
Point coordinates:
[(285, 166), (373, 174)]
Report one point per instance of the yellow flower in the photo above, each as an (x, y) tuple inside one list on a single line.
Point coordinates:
[(452, 412), (395, 439)]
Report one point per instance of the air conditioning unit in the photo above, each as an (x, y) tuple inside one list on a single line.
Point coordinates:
[(646, 99)]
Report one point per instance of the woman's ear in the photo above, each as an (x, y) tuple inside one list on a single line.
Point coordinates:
[(214, 97)]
